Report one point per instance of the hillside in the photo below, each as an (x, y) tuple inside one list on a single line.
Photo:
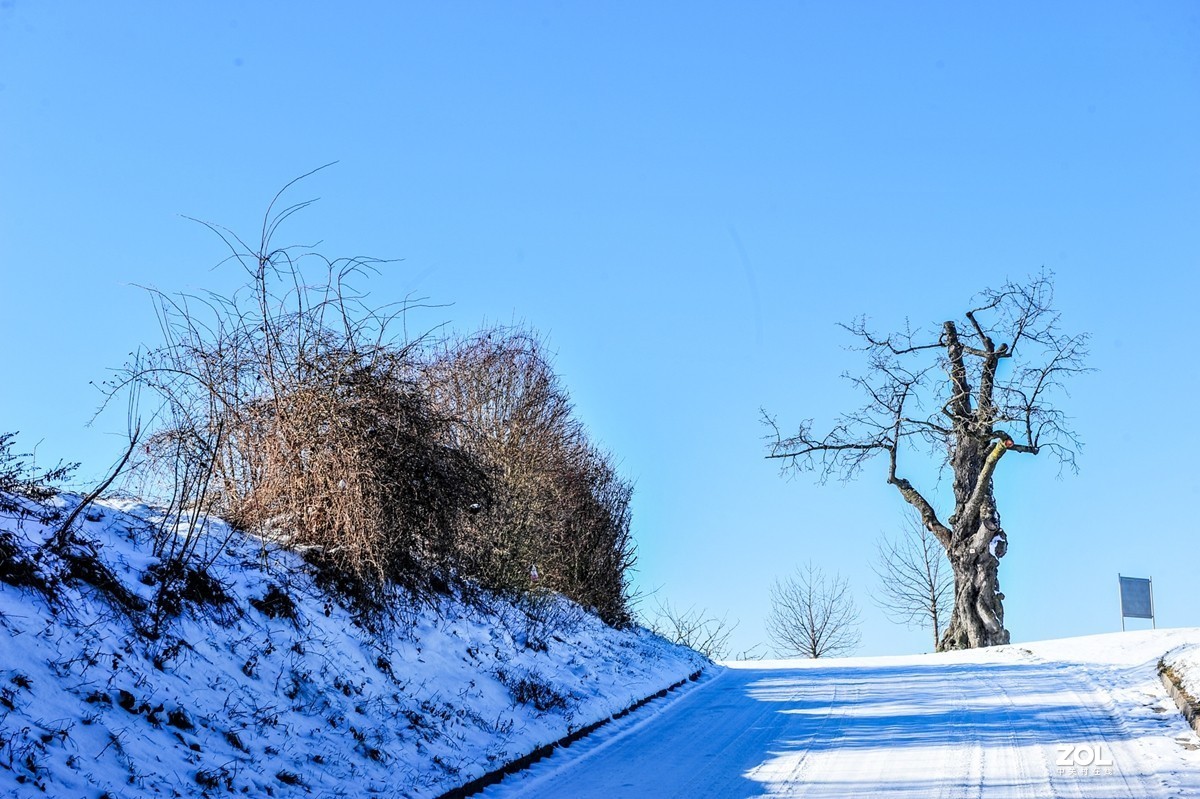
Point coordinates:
[(261, 683)]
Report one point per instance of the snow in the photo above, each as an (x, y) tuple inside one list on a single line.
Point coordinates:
[(230, 700), (1080, 717)]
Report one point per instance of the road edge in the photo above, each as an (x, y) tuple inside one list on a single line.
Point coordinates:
[(1186, 703), (525, 761)]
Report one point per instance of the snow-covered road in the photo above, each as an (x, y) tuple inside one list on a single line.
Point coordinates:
[(1075, 718)]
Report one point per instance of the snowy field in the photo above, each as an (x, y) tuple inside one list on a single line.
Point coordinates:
[(1082, 717), (245, 697)]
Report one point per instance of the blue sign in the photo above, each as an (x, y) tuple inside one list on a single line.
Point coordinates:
[(1136, 599)]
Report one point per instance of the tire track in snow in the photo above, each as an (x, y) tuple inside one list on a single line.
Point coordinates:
[(1089, 718), (1034, 771), (1123, 747), (796, 773)]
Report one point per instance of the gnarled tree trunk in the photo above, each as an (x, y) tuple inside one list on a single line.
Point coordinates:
[(978, 615), (975, 546)]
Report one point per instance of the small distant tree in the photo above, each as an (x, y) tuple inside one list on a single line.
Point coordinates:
[(694, 628), (916, 586), (813, 615)]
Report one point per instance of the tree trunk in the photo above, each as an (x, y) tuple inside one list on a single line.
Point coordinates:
[(978, 542), (978, 616)]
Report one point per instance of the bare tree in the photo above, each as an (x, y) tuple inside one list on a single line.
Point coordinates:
[(812, 615), (944, 392), (693, 628), (915, 582)]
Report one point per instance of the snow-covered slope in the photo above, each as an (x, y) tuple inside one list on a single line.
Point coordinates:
[(271, 696)]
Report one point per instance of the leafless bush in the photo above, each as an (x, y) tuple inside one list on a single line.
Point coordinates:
[(556, 502), (514, 418), (532, 688), (289, 408), (24, 494), (812, 615), (24, 490), (694, 628), (21, 479), (545, 614)]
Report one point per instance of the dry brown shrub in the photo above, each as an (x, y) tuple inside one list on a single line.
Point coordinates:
[(290, 409), (353, 466), (556, 502)]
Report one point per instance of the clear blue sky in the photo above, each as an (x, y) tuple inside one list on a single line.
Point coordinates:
[(685, 198)]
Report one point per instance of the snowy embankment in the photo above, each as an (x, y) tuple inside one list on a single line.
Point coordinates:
[(267, 687), (1180, 673)]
